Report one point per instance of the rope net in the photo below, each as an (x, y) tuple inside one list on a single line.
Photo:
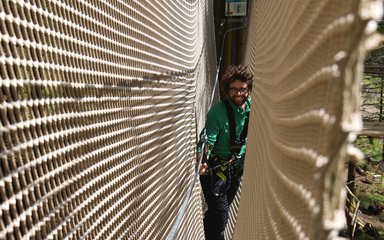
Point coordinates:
[(307, 58), (98, 117), (101, 102)]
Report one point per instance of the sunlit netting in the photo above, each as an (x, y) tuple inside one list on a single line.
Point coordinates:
[(98, 117), (101, 102), (307, 60)]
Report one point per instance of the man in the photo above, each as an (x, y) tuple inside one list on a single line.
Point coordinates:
[(223, 156)]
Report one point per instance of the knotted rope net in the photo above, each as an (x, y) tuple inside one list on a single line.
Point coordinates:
[(307, 58), (102, 101), (98, 116)]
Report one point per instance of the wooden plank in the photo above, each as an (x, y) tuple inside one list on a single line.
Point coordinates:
[(373, 178), (372, 129)]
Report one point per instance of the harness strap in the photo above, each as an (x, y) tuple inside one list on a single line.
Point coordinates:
[(229, 165), (218, 165), (232, 127)]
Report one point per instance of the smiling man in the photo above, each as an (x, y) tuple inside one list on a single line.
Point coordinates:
[(222, 167)]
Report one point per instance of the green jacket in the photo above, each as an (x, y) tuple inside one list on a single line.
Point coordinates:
[(217, 129)]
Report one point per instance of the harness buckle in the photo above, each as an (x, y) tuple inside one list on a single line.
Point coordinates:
[(236, 146)]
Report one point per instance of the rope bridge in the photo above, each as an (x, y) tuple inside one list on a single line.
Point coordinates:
[(102, 101)]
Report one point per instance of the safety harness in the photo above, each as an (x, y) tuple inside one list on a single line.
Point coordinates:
[(219, 167), (236, 144)]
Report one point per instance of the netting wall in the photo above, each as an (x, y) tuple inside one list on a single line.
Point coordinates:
[(307, 60), (98, 117), (101, 102)]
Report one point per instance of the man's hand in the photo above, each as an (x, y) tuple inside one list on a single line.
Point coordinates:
[(203, 168)]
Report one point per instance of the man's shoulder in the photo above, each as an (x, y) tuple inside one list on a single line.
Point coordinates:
[(218, 107), (217, 111)]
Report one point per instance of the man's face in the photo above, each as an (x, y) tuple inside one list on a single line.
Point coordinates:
[(238, 92)]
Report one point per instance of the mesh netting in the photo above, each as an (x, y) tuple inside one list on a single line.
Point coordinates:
[(307, 59), (98, 117), (101, 102)]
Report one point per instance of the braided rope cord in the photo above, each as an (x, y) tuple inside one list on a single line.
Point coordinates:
[(101, 102)]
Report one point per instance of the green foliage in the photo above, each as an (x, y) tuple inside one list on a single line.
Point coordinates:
[(371, 96), (372, 149), (371, 82), (369, 197)]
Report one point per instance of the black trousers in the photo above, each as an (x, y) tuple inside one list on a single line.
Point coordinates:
[(216, 217)]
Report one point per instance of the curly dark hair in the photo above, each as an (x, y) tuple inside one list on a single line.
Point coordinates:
[(236, 72)]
